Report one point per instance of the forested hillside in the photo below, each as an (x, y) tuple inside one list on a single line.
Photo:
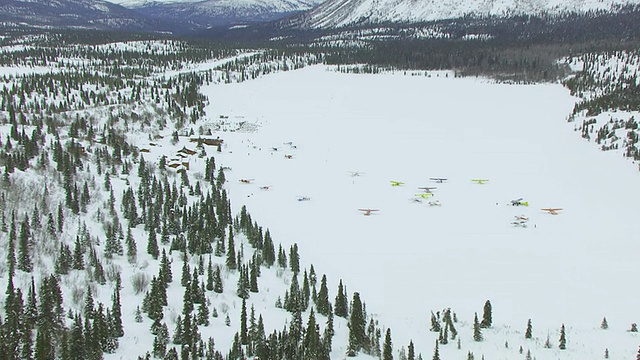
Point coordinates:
[(116, 232)]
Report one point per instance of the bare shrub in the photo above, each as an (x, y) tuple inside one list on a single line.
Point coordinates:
[(112, 272), (140, 281), (77, 295), (224, 308)]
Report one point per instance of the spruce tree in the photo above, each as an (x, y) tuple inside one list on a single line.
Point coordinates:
[(242, 289), (77, 347), (477, 334), (268, 250), (11, 252), (529, 332), (322, 300), (244, 330), (282, 257), (132, 250), (387, 348), (203, 314), (294, 259), (231, 251), (411, 355), (26, 352), (436, 352), (217, 281), (116, 311), (327, 336), (563, 339), (486, 315), (24, 253), (60, 218), (312, 344), (31, 309), (254, 270), (604, 325), (78, 255), (341, 303), (152, 245), (358, 339), (51, 226), (165, 275), (209, 275)]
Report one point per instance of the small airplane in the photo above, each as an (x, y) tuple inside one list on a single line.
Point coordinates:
[(303, 198), (424, 195), (480, 181), (519, 202), (288, 143), (521, 218), (519, 223), (266, 187), (435, 203), (246, 181), (368, 212), (356, 173), (552, 211), (438, 180), (396, 183), (288, 156), (428, 189)]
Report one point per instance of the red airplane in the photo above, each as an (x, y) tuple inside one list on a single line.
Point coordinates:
[(552, 211), (368, 212)]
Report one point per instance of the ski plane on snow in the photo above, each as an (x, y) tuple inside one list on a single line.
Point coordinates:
[(303, 198), (356, 173), (438, 180), (519, 202), (428, 189), (519, 223), (396, 183), (265, 187), (480, 181), (246, 181), (435, 203), (424, 195), (552, 211), (288, 156), (521, 218), (368, 212)]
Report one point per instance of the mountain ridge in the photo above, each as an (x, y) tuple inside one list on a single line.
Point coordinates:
[(94, 14), (344, 13)]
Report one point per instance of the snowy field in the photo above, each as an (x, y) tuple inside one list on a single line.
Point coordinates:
[(410, 258)]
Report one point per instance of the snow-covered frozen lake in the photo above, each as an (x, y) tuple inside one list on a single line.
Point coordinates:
[(409, 258)]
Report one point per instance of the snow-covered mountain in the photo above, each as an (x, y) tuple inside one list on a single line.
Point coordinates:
[(339, 13), (90, 14), (211, 13)]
